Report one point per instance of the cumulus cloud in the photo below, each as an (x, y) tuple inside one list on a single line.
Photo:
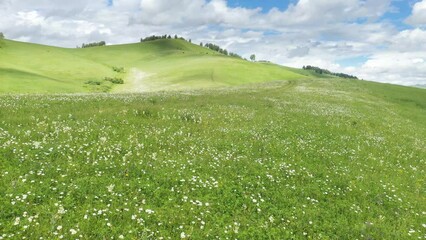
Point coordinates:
[(396, 67), (192, 13), (318, 12), (403, 62), (418, 16), (314, 32), (409, 40)]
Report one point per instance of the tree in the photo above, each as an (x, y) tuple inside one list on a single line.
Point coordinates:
[(1, 35), (94, 44), (325, 71), (201, 44), (253, 57)]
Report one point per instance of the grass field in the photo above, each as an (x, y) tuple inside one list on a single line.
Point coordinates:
[(305, 159), (151, 66)]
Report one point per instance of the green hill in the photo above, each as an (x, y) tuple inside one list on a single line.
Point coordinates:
[(158, 65), (263, 152), (305, 159), (32, 68)]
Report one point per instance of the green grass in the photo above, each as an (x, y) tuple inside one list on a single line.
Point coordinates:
[(295, 159), (167, 64), (32, 68)]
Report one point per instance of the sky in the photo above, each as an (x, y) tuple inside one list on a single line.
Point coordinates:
[(378, 40)]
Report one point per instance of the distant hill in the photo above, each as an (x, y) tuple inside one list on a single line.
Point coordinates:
[(165, 64), (420, 85)]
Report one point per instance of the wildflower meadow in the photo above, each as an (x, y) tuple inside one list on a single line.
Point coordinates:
[(314, 159)]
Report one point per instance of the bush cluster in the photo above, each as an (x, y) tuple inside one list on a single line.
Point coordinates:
[(118, 69), (218, 49), (155, 37), (94, 44), (114, 80), (93, 82), (325, 71), (211, 46)]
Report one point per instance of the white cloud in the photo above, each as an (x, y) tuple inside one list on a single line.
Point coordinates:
[(318, 12), (410, 40), (192, 13), (403, 62), (314, 32), (396, 67), (418, 16), (30, 19)]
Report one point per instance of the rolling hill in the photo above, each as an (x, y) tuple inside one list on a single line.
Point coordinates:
[(243, 151), (166, 64)]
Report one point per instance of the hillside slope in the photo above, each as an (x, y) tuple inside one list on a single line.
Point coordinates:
[(33, 68), (305, 159), (158, 65)]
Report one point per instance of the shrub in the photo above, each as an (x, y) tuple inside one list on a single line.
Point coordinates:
[(118, 69), (93, 82), (114, 80)]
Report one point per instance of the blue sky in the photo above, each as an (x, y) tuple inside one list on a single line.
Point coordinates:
[(379, 40), (401, 8), (266, 5)]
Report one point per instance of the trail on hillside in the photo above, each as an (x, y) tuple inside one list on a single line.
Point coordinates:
[(137, 81)]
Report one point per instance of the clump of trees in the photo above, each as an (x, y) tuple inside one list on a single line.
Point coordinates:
[(218, 49), (155, 37), (344, 75), (231, 54), (94, 44), (325, 71), (210, 46)]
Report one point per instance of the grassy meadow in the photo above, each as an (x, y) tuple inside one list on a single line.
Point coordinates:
[(166, 64), (293, 159)]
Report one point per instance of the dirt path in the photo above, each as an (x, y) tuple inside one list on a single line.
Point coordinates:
[(137, 81)]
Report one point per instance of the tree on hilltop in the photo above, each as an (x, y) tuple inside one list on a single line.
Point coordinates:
[(1, 35), (253, 57), (94, 44), (325, 71)]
